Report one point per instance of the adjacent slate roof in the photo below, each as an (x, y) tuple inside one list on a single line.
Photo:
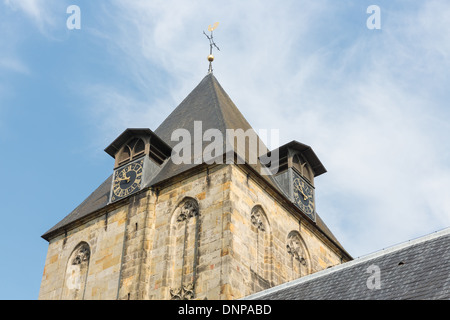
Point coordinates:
[(415, 270), (210, 104)]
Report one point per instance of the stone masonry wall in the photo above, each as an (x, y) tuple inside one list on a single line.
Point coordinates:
[(255, 267), (164, 268), (216, 234), (106, 245)]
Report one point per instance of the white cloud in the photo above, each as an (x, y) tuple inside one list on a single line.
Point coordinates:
[(386, 147), (372, 105), (165, 39)]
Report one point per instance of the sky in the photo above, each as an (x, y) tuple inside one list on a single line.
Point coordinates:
[(372, 103)]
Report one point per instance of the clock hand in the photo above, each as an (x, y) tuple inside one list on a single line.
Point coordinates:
[(126, 179), (304, 195)]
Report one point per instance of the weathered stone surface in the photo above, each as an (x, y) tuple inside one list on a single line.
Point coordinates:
[(217, 235)]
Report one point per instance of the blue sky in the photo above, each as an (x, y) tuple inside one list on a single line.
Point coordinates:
[(373, 104)]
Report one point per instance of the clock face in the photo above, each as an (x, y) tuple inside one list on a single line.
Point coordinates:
[(127, 180), (303, 196)]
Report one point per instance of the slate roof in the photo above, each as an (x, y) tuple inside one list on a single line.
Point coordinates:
[(96, 201), (210, 104), (307, 152), (207, 103), (415, 270), (131, 132)]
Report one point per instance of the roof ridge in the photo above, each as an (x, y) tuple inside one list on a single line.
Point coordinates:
[(362, 259), (216, 101)]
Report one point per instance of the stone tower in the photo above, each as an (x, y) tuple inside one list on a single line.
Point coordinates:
[(174, 225)]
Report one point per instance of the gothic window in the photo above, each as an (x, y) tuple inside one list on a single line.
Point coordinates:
[(298, 256), (138, 149), (76, 273), (132, 150), (184, 236), (302, 167), (257, 218), (124, 155), (260, 247)]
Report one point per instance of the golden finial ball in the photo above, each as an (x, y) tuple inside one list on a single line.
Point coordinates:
[(210, 58)]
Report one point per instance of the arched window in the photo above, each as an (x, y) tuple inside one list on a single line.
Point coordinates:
[(125, 155), (76, 273), (184, 238), (134, 149), (299, 261), (137, 147), (261, 247), (303, 168)]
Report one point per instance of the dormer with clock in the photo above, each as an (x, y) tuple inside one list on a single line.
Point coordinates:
[(297, 167), (158, 228), (139, 155)]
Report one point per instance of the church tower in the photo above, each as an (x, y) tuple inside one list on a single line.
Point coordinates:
[(174, 224)]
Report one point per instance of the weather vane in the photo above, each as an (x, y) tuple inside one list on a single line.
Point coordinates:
[(211, 44)]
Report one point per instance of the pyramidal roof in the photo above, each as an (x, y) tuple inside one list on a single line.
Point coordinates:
[(208, 103)]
